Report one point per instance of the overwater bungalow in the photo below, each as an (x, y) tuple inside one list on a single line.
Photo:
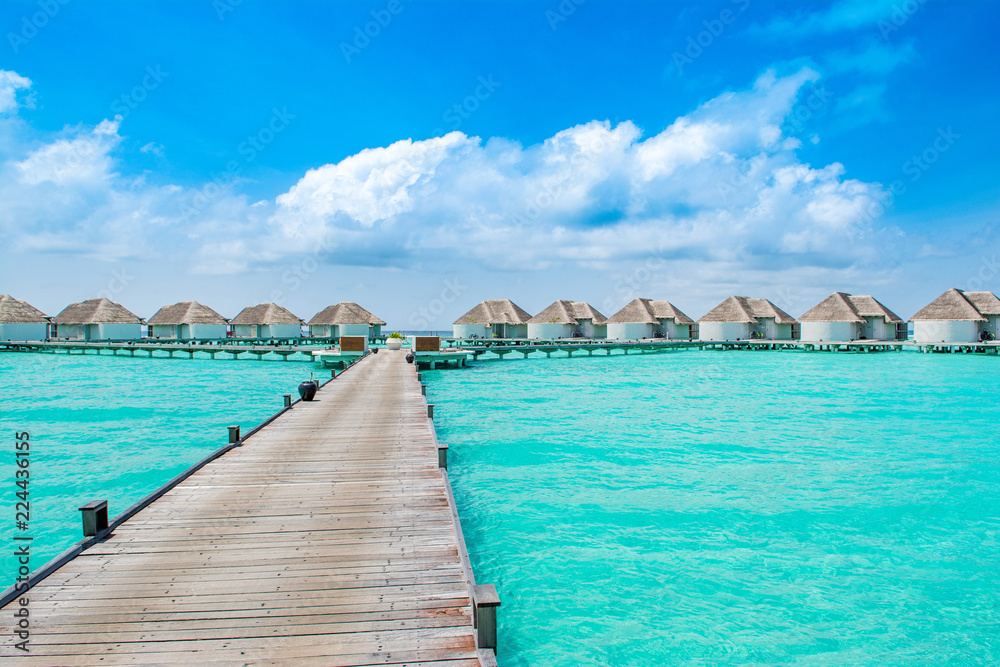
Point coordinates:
[(98, 319), (645, 318), (568, 319), (845, 317), (20, 320), (958, 317), (743, 318), (345, 319), (187, 320), (267, 320), (493, 318)]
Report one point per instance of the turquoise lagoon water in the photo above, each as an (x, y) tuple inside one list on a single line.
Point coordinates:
[(732, 508), (117, 428)]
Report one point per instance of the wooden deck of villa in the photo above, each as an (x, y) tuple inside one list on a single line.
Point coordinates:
[(154, 348), (479, 349), (328, 538)]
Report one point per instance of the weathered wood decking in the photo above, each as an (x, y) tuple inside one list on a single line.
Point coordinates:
[(326, 539)]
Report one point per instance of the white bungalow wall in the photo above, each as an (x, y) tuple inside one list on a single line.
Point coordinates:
[(245, 331), (165, 331), (771, 329), (71, 331), (517, 330), (630, 330), (829, 331), (280, 331), (24, 331), (587, 329), (469, 330), (320, 330), (203, 331), (352, 330), (113, 332), (679, 331), (548, 330), (946, 331), (724, 331)]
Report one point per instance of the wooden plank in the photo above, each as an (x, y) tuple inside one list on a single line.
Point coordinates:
[(327, 538)]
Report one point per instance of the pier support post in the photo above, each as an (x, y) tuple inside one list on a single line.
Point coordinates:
[(423, 389), (333, 373), (288, 400), (485, 605), (420, 376), (95, 517), (442, 456), (234, 434), (430, 411)]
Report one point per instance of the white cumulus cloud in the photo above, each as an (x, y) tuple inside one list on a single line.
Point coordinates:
[(10, 84), (722, 186), (722, 180)]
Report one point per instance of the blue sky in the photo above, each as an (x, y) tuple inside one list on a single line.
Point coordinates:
[(417, 157)]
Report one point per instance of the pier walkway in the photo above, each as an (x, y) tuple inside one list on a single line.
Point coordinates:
[(156, 348), (328, 538)]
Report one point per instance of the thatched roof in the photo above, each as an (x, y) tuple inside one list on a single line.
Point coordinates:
[(952, 305), (265, 313), (842, 307), (186, 312), (97, 311), (647, 311), (346, 312), (745, 309), (986, 303), (15, 311), (568, 312), (495, 311)]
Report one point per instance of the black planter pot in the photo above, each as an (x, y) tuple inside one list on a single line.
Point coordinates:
[(307, 390), (374, 350), (409, 358)]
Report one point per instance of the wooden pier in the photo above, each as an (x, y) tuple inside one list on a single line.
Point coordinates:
[(329, 537), (590, 347), (164, 349)]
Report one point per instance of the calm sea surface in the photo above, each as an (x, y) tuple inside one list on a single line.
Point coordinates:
[(117, 428), (731, 508)]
